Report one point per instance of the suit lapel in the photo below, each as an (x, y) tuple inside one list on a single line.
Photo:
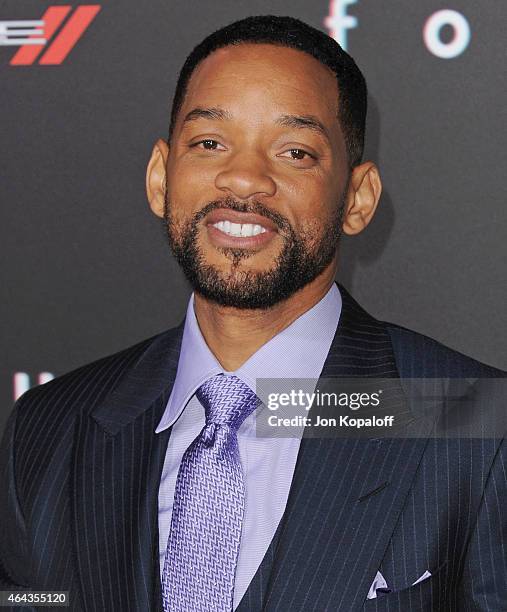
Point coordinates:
[(118, 463), (347, 493)]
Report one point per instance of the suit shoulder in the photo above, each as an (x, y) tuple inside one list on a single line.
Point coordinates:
[(418, 355), (79, 388)]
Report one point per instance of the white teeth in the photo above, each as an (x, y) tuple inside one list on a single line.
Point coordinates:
[(235, 229), (242, 230)]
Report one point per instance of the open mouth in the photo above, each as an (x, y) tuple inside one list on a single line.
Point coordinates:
[(229, 228), (244, 230)]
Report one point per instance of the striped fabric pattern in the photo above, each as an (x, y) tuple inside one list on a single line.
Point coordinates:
[(80, 467)]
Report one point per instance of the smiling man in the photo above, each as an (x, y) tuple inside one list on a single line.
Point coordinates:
[(138, 482), (259, 173)]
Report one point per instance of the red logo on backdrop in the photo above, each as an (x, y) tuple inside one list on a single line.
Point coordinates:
[(56, 33)]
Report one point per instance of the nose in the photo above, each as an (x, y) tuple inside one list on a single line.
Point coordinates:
[(246, 175)]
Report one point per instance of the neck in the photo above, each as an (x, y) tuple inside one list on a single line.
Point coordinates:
[(234, 334)]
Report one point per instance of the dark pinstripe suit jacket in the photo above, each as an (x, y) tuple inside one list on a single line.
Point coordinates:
[(81, 465)]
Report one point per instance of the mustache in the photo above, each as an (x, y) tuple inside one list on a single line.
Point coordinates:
[(245, 207)]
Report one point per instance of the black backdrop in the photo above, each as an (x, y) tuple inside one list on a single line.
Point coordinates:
[(86, 267)]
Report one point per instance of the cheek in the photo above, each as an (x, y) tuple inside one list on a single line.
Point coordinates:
[(312, 204), (312, 231), (189, 188)]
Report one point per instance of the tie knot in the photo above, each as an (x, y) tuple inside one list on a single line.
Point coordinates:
[(227, 400)]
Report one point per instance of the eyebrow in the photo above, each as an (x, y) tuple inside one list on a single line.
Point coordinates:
[(206, 113), (304, 121), (294, 121)]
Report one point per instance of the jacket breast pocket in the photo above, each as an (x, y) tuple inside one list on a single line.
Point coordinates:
[(428, 595)]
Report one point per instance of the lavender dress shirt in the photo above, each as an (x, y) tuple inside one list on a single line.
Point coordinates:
[(298, 351)]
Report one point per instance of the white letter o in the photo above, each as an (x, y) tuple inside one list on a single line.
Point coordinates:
[(431, 33)]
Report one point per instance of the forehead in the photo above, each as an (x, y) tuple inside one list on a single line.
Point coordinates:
[(275, 73)]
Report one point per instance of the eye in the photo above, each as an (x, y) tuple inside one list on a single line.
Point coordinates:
[(208, 144), (297, 154)]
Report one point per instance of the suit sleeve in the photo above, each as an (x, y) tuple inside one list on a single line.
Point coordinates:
[(484, 582), (14, 561)]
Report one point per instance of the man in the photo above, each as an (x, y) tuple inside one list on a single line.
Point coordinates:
[(137, 482)]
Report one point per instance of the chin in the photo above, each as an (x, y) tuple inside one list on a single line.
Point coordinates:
[(238, 259)]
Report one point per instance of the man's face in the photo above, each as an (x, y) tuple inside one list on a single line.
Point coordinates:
[(257, 150)]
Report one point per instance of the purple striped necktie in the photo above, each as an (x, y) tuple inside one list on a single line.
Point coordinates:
[(209, 498)]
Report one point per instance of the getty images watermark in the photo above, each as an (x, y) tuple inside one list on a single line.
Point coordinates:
[(297, 399), (387, 407)]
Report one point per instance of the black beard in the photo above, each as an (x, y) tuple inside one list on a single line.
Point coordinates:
[(301, 260)]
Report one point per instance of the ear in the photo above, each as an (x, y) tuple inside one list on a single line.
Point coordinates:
[(156, 177), (363, 196)]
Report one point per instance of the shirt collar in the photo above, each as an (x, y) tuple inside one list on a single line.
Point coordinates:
[(298, 351)]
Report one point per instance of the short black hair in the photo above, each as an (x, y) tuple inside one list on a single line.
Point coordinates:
[(293, 33)]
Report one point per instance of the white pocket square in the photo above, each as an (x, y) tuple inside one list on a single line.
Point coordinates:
[(379, 584)]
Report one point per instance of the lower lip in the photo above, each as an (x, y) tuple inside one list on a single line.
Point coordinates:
[(222, 239)]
